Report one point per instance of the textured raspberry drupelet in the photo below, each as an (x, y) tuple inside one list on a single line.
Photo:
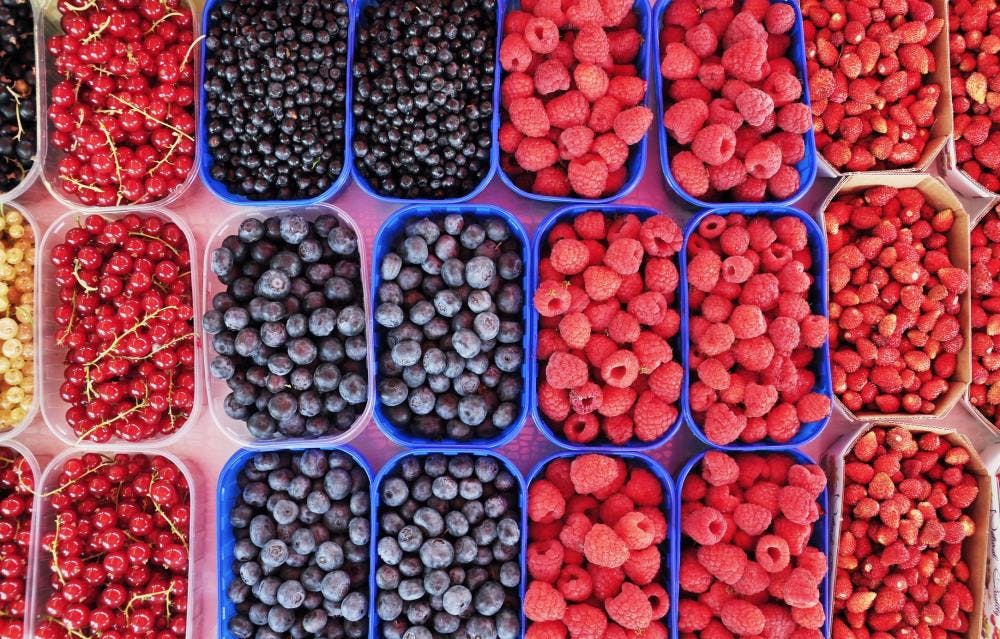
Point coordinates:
[(565, 370)]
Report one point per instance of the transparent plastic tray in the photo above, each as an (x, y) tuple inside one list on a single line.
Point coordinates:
[(29, 578), (41, 142)]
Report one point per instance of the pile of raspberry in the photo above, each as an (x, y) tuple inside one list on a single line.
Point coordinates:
[(572, 96), (747, 566), (895, 298), (735, 110), (870, 66), (597, 547), (754, 336), (975, 88), (906, 524), (608, 315), (984, 392)]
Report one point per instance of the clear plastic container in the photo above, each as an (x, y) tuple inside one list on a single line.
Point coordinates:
[(44, 521), (37, 337), (50, 356), (29, 578), (41, 142), (217, 389), (47, 24)]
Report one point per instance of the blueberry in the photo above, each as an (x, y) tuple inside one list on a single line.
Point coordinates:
[(322, 321), (414, 250), (391, 264), (414, 376), (329, 556), (487, 325), (389, 315), (285, 511), (354, 389), (342, 241), (294, 229), (351, 321), (335, 585), (457, 600), (406, 353), (422, 313), (437, 553), (489, 599), (447, 303), (472, 236), (466, 343), (222, 262), (479, 272), (394, 492), (392, 391), (509, 358), (388, 605), (222, 367), (302, 351), (479, 301), (510, 266)]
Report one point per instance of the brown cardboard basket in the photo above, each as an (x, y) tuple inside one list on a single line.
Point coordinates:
[(940, 196), (957, 178), (991, 597), (967, 399), (944, 123), (974, 551)]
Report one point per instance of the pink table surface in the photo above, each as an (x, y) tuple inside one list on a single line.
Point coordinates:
[(205, 449)]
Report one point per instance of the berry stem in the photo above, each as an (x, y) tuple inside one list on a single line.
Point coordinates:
[(17, 113), (159, 511), (129, 331), (79, 280), (152, 237), (148, 116), (97, 32), (187, 54), (111, 420), (106, 461), (148, 596)]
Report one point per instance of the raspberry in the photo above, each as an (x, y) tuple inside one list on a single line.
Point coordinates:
[(783, 88), (715, 340), (565, 370), (636, 530), (703, 271), (745, 60), (752, 519), (535, 154), (759, 399), (690, 173), (714, 145), (612, 149), (551, 181), (719, 469), (795, 118), (601, 283), (722, 425), (590, 225), (551, 299), (712, 373), (650, 306), (515, 54), (591, 473), (631, 124), (591, 45), (529, 117), (812, 408), (586, 398), (546, 630), (793, 149), (509, 137), (581, 429), (797, 505), (780, 18), (643, 565), (554, 403), (706, 526), (603, 113), (742, 617), (616, 12), (575, 584), (727, 175), (631, 608), (569, 256), (542, 602), (591, 80), (588, 175), (516, 85), (754, 105), (585, 12), (574, 328), (541, 34), (643, 488), (585, 622), (665, 381), (772, 553), (652, 416), (747, 321), (725, 562), (624, 45), (603, 547), (545, 559), (568, 109), (616, 402), (545, 502), (627, 90), (702, 40), (624, 328), (760, 290), (685, 118), (606, 581), (744, 26), (763, 159), (679, 62), (551, 76)]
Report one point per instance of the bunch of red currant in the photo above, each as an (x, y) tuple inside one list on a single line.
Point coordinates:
[(123, 111), (16, 494), (117, 551), (125, 317)]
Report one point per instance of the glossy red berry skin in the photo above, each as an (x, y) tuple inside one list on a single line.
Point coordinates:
[(17, 483)]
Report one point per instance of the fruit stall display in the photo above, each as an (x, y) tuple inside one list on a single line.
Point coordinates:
[(539, 319)]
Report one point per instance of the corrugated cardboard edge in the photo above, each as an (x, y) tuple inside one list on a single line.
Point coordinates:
[(958, 179), (967, 400), (938, 195), (974, 551), (991, 594), (944, 120)]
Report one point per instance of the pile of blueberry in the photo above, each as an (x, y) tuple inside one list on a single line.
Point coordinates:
[(275, 95), (448, 549), (18, 129), (302, 542), (451, 329), (289, 330), (423, 96)]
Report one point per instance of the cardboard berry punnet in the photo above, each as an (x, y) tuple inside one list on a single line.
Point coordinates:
[(974, 548), (939, 196)]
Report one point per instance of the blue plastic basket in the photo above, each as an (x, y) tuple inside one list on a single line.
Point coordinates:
[(818, 303), (390, 467), (569, 213), (637, 153), (358, 17), (205, 164), (806, 166), (671, 514), (391, 229), (819, 539), (227, 493)]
